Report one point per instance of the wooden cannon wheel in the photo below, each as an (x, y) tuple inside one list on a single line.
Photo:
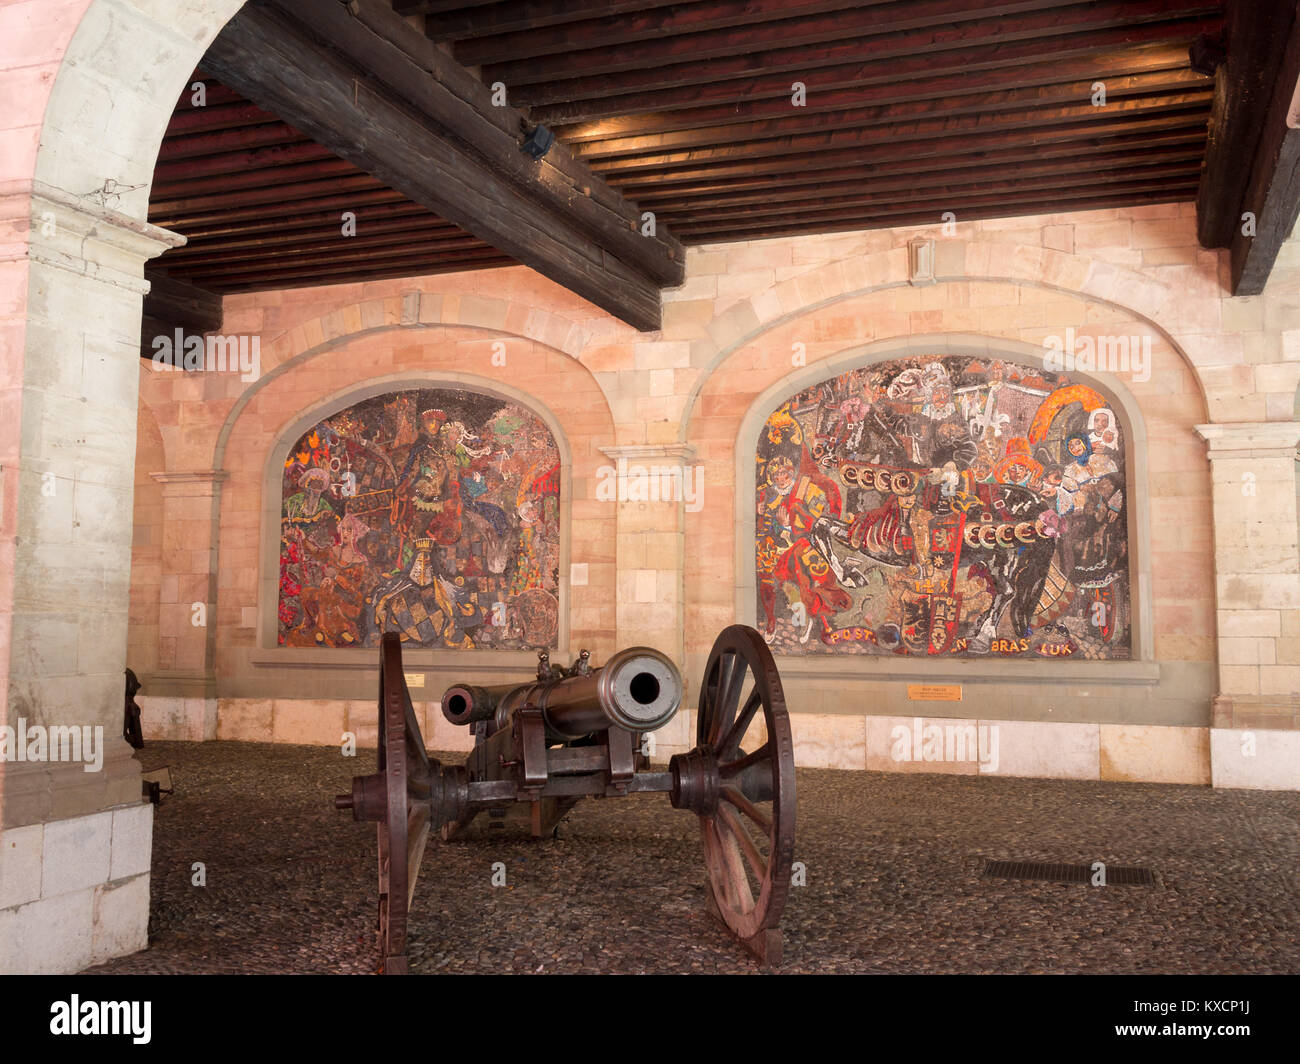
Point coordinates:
[(746, 801), (404, 829)]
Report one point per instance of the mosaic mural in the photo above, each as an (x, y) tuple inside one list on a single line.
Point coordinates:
[(944, 505), (429, 512)]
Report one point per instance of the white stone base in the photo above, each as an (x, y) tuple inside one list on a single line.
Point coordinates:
[(74, 892), (1255, 759), (1135, 753), (1128, 752)]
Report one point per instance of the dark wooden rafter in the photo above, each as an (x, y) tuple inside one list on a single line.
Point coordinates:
[(653, 25), (1018, 105), (172, 304), (1077, 72), (912, 61), (1256, 33), (678, 62), (1273, 194), (993, 208), (1111, 141), (926, 136), (326, 269), (1251, 177), (983, 191), (899, 178), (436, 138)]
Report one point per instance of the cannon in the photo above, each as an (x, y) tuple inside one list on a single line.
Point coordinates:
[(576, 732)]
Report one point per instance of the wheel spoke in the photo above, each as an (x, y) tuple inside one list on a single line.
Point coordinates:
[(731, 871), (730, 695), (736, 798), (417, 832), (763, 753), (741, 724), (719, 718), (746, 842)]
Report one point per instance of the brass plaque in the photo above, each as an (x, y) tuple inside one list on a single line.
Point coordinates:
[(929, 692), (415, 679)]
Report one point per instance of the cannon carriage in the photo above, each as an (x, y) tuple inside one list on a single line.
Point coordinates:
[(576, 732)]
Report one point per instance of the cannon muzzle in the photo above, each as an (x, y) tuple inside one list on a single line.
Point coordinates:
[(638, 690)]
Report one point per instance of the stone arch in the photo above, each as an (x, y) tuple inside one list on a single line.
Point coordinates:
[(853, 276), (506, 317), (318, 337), (117, 83), (1122, 402)]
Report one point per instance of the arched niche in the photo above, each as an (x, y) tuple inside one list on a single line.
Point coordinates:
[(450, 448), (888, 359)]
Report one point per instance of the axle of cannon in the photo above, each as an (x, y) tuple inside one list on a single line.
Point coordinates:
[(638, 689)]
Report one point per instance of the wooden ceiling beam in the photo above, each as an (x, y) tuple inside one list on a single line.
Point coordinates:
[(851, 166), (257, 177), (171, 304), (274, 283), (390, 216), (1256, 34), (235, 162), (1083, 69), (864, 40), (288, 192), (366, 100), (998, 208), (1134, 178), (413, 263), (517, 15), (1272, 196), (1135, 133), (1143, 87), (990, 172), (461, 104), (213, 117), (414, 238), (181, 303), (644, 26), (226, 141), (893, 73), (921, 135), (378, 234), (385, 204)]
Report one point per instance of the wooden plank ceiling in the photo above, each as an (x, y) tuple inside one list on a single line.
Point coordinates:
[(911, 108)]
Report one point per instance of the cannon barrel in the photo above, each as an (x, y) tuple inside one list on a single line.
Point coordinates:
[(466, 703), (638, 689)]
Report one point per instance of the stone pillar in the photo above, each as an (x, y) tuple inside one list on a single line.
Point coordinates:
[(1257, 576), (180, 699), (655, 485), (74, 834)]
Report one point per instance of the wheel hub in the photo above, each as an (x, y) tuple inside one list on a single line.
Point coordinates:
[(696, 781)]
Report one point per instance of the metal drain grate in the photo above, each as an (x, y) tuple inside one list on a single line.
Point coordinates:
[(1116, 875)]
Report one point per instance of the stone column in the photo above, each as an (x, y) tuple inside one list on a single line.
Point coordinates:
[(1257, 575), (74, 834), (180, 699), (655, 485)]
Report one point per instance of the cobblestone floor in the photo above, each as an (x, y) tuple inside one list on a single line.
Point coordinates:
[(893, 878)]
